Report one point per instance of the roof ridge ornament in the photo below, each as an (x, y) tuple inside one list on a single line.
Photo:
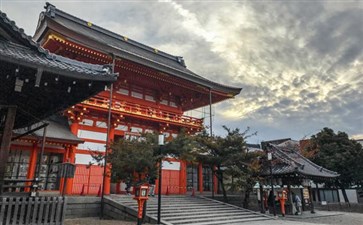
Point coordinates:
[(50, 9), (181, 61)]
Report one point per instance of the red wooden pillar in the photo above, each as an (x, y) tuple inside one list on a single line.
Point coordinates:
[(71, 157), (32, 164), (107, 187), (183, 178), (200, 175), (215, 181)]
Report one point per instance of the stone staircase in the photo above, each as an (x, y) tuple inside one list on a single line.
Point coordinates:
[(192, 210)]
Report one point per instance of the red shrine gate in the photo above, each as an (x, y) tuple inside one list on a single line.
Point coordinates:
[(151, 94)]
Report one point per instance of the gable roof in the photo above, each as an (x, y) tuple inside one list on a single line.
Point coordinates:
[(39, 83), (124, 47), (16, 46), (287, 160), (57, 130)]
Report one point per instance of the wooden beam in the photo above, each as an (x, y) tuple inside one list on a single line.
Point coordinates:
[(5, 143)]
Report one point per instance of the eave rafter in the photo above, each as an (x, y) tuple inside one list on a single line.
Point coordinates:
[(139, 73)]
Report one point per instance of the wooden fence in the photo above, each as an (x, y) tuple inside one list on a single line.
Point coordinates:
[(32, 210)]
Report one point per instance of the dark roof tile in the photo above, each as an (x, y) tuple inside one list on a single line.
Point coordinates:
[(288, 160), (132, 50), (29, 51)]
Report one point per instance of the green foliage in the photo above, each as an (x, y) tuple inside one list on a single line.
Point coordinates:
[(228, 156), (141, 155), (336, 152), (182, 147), (134, 156)]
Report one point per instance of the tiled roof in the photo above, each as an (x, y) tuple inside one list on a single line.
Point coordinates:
[(17, 34), (41, 84), (29, 52), (57, 128), (53, 63), (132, 50), (287, 160)]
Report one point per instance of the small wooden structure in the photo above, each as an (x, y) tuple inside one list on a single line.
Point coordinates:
[(35, 84), (288, 167)]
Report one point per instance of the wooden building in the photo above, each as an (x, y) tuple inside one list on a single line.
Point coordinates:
[(152, 92), (36, 84), (288, 167)]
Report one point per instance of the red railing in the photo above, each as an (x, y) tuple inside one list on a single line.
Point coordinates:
[(133, 109)]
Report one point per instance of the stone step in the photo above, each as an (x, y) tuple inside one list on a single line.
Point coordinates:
[(212, 219), (175, 207), (198, 215), (193, 205), (208, 212), (230, 222), (204, 210), (179, 210)]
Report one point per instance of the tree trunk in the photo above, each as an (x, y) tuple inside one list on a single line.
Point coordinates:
[(219, 176), (248, 191), (223, 189), (246, 198), (346, 200)]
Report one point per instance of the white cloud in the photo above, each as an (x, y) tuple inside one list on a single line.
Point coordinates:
[(300, 63)]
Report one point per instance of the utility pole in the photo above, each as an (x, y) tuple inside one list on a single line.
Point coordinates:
[(161, 143)]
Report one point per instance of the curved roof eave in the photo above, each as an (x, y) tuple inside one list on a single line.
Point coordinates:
[(173, 68)]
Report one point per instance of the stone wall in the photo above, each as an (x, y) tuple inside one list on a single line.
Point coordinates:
[(114, 210), (83, 206)]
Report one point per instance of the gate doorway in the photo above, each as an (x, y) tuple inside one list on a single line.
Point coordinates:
[(192, 177), (207, 178)]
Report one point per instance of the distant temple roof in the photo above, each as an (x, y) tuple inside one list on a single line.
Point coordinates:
[(38, 83), (287, 162), (122, 47)]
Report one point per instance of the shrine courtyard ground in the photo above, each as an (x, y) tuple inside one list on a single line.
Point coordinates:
[(320, 218)]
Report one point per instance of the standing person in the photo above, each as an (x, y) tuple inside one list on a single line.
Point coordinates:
[(128, 186), (265, 203), (298, 204), (271, 202), (152, 186)]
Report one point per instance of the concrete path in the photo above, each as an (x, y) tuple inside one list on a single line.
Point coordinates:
[(327, 217), (320, 218)]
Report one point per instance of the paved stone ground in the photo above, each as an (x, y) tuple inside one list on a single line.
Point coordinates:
[(324, 217), (320, 218)]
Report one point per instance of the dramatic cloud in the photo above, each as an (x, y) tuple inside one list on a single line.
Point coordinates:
[(300, 63)]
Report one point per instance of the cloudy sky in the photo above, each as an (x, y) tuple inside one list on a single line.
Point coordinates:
[(300, 63)]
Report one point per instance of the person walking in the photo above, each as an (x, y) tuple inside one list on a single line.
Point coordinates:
[(297, 202)]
